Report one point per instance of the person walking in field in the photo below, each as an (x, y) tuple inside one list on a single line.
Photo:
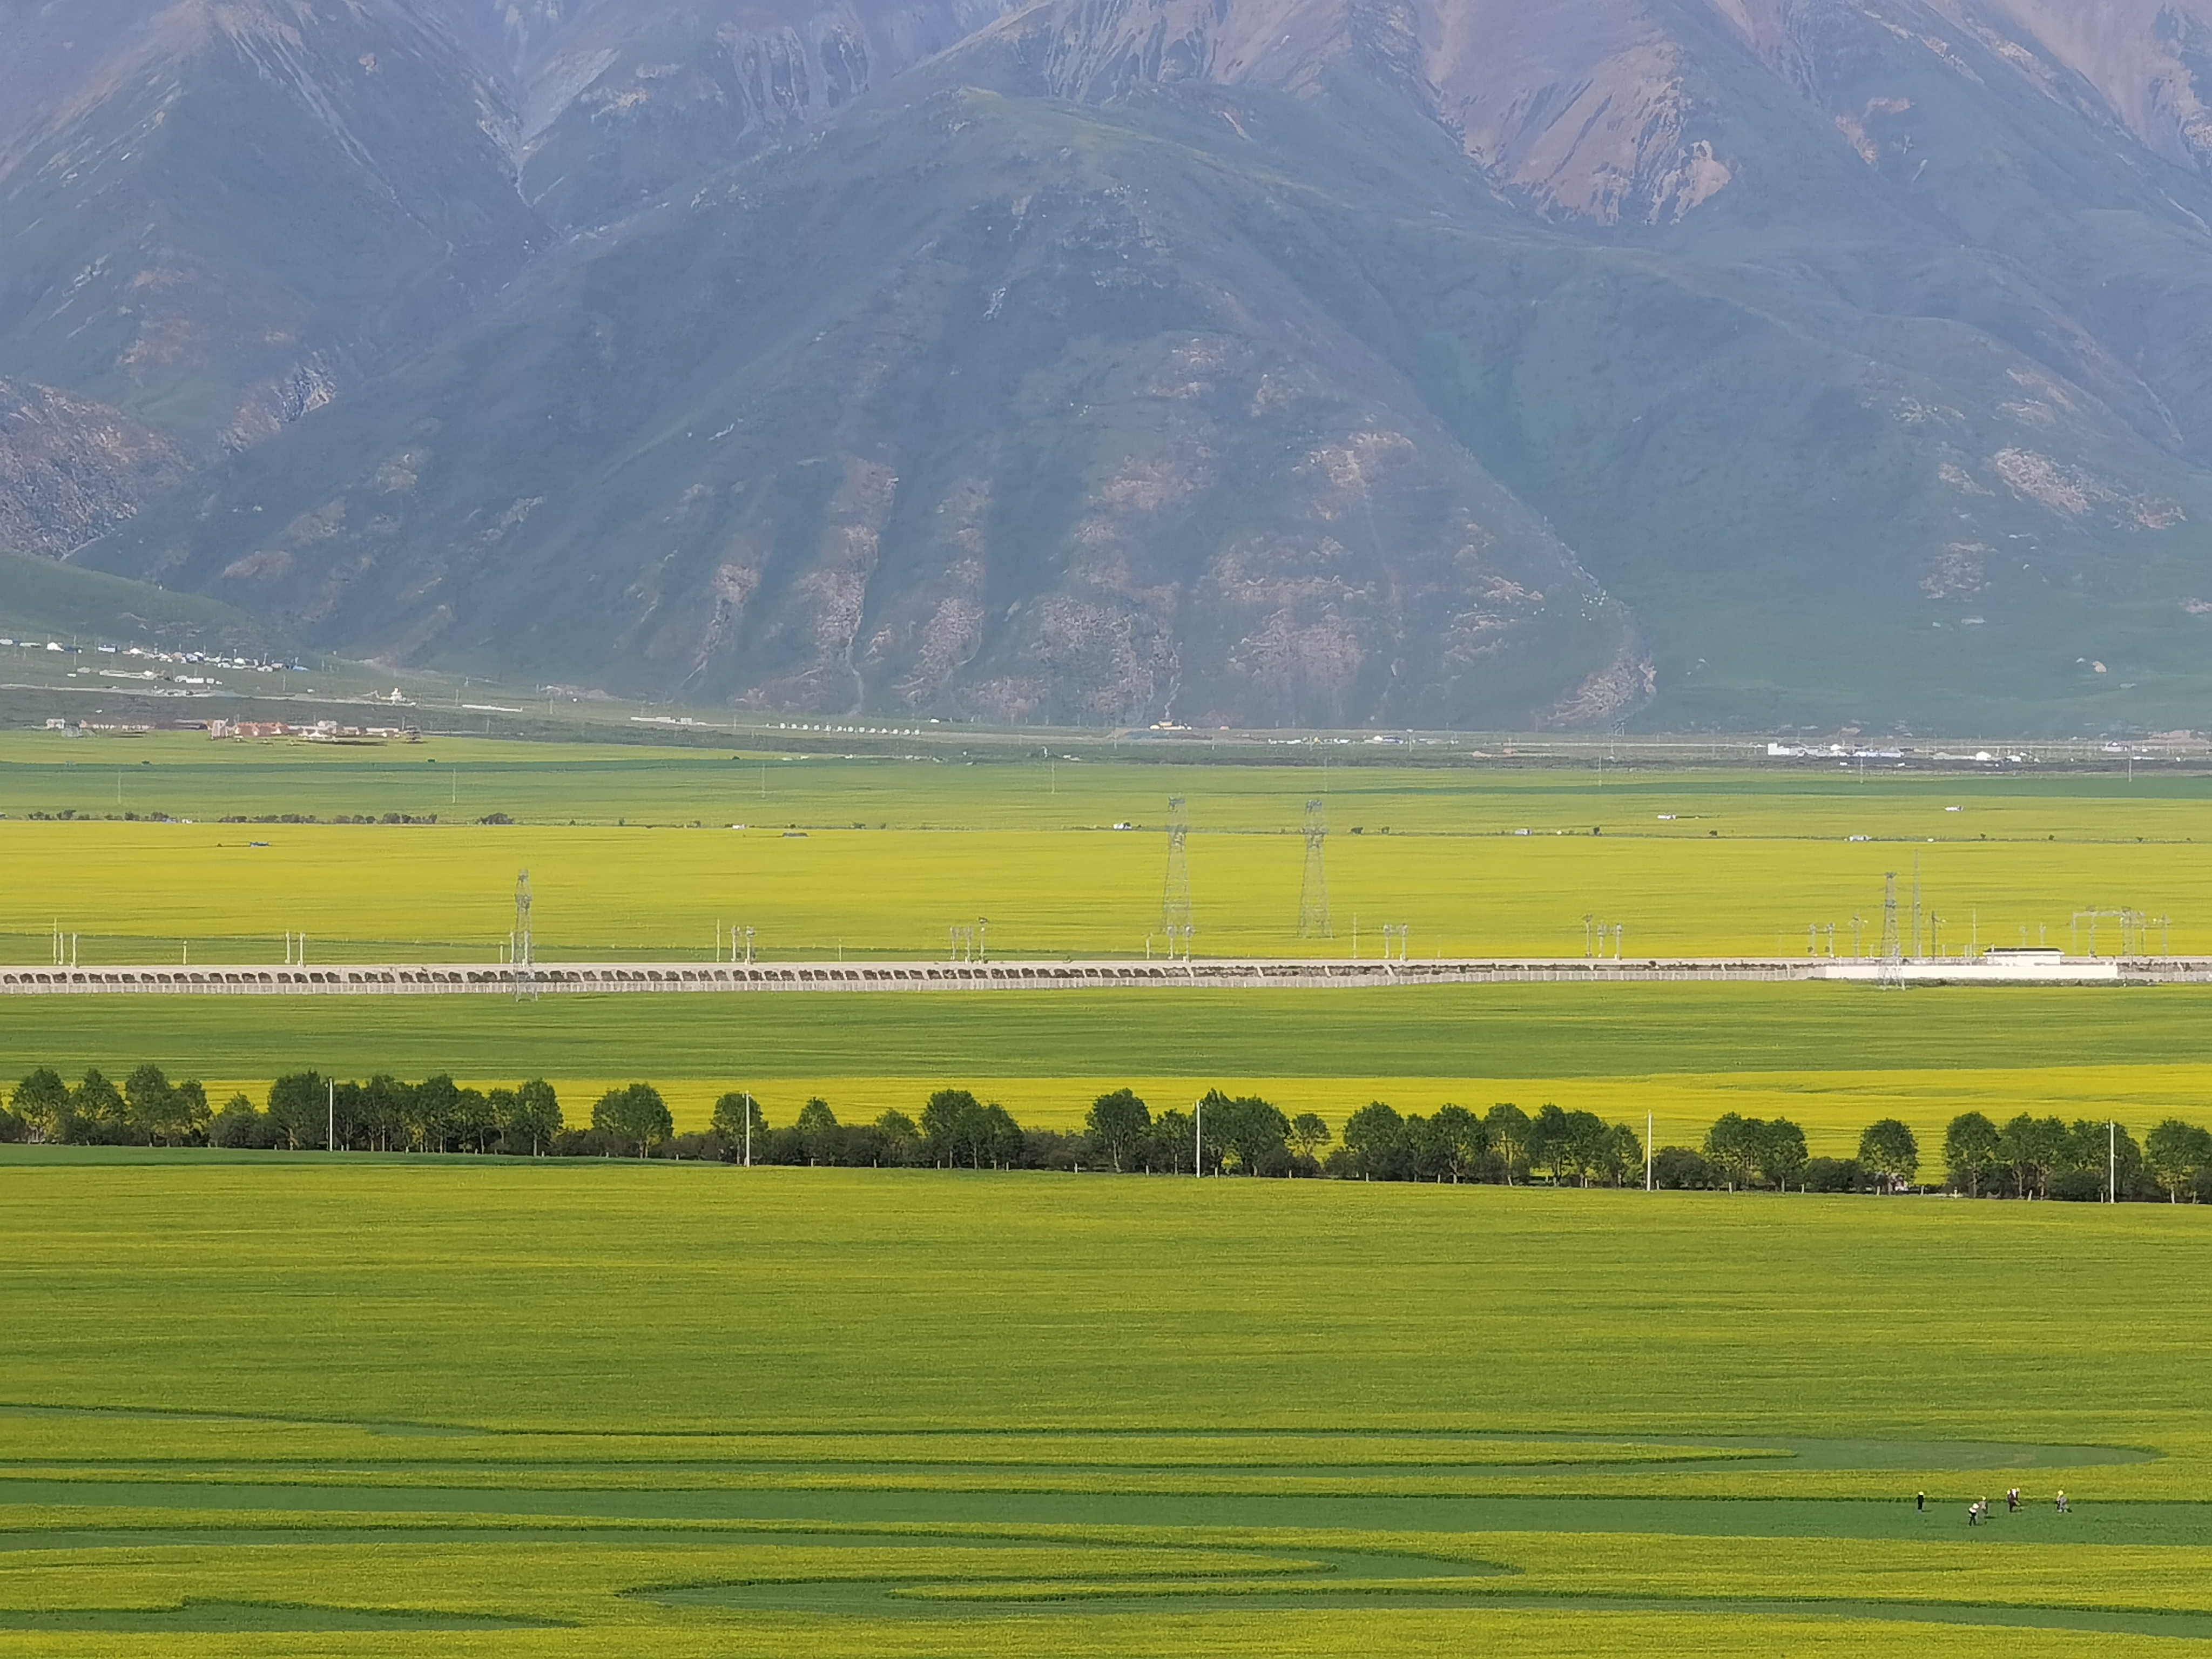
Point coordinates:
[(1921, 1503), (2061, 1500), (2011, 1501)]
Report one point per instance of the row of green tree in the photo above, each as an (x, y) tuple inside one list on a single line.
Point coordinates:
[(382, 1115), (2027, 1157), (1222, 1134), (2032, 1156)]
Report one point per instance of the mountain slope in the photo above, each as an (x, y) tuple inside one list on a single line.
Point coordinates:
[(214, 218), (977, 406), (1707, 362)]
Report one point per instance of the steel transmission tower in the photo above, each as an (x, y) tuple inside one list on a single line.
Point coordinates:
[(1175, 897), (1890, 974), (1312, 895), (524, 985)]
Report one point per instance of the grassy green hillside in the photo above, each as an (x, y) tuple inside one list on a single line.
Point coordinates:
[(70, 603)]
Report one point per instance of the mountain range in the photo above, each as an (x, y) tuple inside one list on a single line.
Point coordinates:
[(1682, 363)]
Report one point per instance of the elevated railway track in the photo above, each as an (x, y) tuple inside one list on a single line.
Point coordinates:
[(696, 978)]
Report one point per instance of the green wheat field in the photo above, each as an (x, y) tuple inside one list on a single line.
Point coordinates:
[(267, 1405)]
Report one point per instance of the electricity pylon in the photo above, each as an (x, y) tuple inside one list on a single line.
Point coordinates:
[(1313, 894), (1891, 974), (1174, 897), (525, 984)]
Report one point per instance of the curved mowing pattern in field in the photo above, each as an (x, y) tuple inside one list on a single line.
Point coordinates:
[(243, 1618), (901, 1527), (1341, 1580)]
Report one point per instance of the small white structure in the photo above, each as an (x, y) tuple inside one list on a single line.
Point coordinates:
[(2029, 967)]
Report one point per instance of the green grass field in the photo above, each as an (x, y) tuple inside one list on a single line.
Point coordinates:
[(264, 1404)]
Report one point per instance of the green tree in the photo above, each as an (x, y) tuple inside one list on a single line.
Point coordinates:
[(1458, 1141), (731, 1112), (946, 1129), (2177, 1154), (499, 1102), (1118, 1124), (386, 1110), (1782, 1153), (238, 1124), (432, 1106), (1509, 1129), (898, 1139), (1620, 1158), (1582, 1147), (1971, 1149), (2104, 1150), (188, 1111), (42, 1100), (299, 1109), (1892, 1150), (149, 1100), (1374, 1137), (1550, 1138), (1250, 1133), (1308, 1134), (634, 1115), (996, 1138), (816, 1128), (2032, 1149), (476, 1120), (533, 1114), (98, 1107), (1732, 1146), (1172, 1143)]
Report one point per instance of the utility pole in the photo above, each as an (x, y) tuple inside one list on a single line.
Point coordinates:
[(749, 1129), (1198, 1137), (1647, 1152), (330, 1100), (2112, 1162)]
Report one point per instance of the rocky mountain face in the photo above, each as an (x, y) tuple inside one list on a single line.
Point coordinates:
[(1281, 362)]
